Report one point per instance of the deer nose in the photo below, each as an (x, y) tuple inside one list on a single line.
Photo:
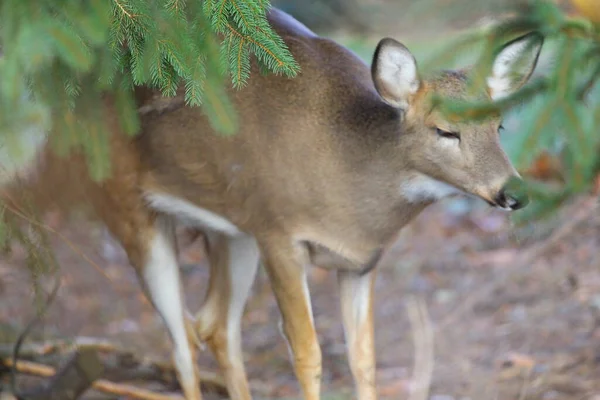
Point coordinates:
[(511, 197)]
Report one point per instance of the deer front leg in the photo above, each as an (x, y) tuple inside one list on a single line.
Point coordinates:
[(285, 265), (356, 296)]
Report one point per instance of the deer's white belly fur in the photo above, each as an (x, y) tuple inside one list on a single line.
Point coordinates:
[(190, 214)]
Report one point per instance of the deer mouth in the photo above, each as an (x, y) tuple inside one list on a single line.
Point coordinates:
[(507, 202)]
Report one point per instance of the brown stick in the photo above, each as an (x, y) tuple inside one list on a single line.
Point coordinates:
[(58, 346), (73, 379), (119, 363), (31, 368)]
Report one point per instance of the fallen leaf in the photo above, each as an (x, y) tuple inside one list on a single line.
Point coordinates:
[(516, 365), (395, 388)]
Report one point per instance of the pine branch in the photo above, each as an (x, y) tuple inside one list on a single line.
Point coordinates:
[(60, 61)]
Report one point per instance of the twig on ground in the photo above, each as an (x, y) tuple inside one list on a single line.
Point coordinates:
[(119, 364), (72, 380), (31, 368), (59, 346)]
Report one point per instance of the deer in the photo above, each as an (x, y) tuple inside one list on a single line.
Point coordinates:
[(326, 169)]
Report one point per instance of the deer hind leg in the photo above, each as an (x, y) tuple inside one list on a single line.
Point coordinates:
[(160, 276), (233, 266), (150, 246), (356, 296)]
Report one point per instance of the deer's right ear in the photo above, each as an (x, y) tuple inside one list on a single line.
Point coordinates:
[(514, 65), (394, 71)]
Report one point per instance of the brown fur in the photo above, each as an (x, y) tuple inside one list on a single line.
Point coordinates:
[(313, 174)]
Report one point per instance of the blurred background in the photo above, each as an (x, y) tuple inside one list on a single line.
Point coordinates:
[(514, 306)]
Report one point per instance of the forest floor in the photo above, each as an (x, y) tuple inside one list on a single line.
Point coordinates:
[(512, 318)]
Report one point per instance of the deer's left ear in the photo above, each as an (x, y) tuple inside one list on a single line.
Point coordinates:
[(394, 73), (514, 64)]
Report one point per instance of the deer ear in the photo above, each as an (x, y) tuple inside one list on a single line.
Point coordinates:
[(514, 65), (394, 72)]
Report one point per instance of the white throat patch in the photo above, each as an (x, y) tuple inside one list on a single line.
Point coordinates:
[(419, 188)]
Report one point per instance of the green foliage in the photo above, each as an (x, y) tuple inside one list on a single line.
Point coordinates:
[(61, 59), (562, 104), (35, 240)]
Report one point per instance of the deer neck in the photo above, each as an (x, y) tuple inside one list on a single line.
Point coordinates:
[(378, 199)]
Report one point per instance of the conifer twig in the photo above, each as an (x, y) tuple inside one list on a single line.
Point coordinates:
[(123, 10), (28, 328)]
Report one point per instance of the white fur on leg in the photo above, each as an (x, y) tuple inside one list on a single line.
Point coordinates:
[(356, 298), (161, 278), (355, 293)]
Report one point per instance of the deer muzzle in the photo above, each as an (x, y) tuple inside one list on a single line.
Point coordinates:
[(512, 196)]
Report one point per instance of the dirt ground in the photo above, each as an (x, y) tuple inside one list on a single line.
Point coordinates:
[(512, 318)]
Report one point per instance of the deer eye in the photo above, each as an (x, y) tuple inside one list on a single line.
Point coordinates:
[(448, 135)]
